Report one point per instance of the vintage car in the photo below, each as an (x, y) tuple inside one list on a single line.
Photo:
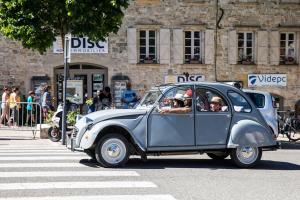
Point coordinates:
[(213, 118)]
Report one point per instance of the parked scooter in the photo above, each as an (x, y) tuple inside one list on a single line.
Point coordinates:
[(55, 131)]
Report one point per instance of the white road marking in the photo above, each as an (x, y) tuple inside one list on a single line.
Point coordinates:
[(40, 153), (36, 165), (67, 174), (100, 197), (44, 158), (33, 150), (77, 185)]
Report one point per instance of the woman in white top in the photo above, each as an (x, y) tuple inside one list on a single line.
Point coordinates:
[(5, 105)]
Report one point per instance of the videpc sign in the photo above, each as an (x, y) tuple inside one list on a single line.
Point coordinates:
[(81, 45), (267, 80)]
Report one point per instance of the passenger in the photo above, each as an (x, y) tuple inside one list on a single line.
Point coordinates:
[(216, 104), (181, 103)]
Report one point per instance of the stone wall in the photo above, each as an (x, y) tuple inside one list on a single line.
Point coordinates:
[(18, 65)]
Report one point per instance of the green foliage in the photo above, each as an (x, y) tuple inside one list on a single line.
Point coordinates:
[(71, 117), (36, 23), (89, 101), (48, 120)]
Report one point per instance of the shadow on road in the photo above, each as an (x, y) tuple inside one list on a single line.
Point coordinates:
[(159, 163)]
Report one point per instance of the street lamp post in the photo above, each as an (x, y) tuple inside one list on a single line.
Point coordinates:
[(67, 60)]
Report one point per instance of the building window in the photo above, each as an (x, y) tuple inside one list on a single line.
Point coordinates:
[(246, 48), (148, 46), (287, 48), (193, 47)]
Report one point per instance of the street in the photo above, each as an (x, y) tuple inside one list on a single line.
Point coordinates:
[(40, 169)]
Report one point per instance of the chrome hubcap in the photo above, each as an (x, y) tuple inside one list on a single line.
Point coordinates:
[(247, 155), (113, 150)]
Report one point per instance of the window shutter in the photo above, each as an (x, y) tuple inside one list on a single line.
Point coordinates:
[(209, 47), (131, 45), (274, 48), (164, 43), (262, 51), (232, 47), (178, 46)]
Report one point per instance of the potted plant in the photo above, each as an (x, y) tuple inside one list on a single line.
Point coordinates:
[(195, 60), (289, 61), (149, 60), (247, 61)]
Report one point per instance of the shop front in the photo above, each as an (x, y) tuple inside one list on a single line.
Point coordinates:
[(94, 78)]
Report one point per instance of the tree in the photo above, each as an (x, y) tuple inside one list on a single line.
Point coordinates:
[(36, 23)]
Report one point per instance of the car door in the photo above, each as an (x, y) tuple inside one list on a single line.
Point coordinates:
[(171, 129), (211, 127)]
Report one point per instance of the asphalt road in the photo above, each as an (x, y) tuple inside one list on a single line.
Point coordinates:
[(25, 173)]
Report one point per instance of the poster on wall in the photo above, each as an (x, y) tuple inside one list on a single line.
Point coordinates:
[(119, 86), (74, 91)]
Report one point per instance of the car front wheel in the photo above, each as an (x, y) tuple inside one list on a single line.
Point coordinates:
[(246, 156), (112, 151)]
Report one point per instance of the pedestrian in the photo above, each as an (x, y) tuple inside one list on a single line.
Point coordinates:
[(5, 106), (129, 97), (46, 102), (30, 109), (97, 100), (105, 99), (14, 105)]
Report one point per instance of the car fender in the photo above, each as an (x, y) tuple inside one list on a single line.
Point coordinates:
[(90, 136), (248, 132)]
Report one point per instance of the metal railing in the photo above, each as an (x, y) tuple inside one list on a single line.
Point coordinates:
[(21, 116)]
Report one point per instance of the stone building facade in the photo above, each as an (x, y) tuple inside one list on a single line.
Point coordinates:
[(162, 40)]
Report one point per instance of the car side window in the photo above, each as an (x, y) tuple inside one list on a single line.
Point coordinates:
[(210, 101), (240, 104), (177, 100)]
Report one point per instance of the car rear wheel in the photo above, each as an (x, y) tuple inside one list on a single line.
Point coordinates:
[(112, 151), (218, 155), (246, 156)]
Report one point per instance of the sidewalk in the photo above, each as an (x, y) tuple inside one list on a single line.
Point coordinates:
[(286, 144)]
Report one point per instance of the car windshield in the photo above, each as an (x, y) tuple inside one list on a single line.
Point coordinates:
[(258, 99), (150, 98)]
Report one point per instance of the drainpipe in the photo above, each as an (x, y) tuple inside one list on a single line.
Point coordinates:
[(216, 39)]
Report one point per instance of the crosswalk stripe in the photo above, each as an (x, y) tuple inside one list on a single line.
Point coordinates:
[(43, 158), (77, 185), (40, 153), (67, 174), (37, 165), (33, 150), (100, 197)]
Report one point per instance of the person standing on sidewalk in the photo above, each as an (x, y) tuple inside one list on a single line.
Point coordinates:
[(14, 105), (46, 102), (5, 106), (30, 109)]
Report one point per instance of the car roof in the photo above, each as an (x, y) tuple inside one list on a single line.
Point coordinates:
[(256, 91)]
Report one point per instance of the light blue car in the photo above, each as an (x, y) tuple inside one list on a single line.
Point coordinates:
[(213, 118)]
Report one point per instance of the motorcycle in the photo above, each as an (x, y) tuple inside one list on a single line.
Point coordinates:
[(55, 131)]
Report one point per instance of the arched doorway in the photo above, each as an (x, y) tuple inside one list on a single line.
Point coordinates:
[(94, 77)]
